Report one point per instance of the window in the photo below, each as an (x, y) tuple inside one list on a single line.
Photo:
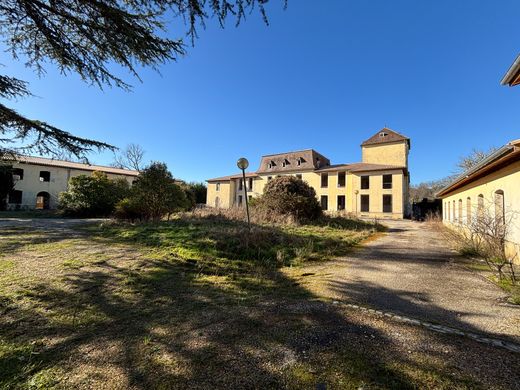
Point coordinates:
[(499, 208), (240, 185), (285, 163), (15, 197), (45, 176), (217, 202), (480, 207), (448, 212), (250, 188), (324, 202), (468, 211), (365, 182), (217, 187), (324, 180), (17, 174), (387, 182), (383, 134), (460, 210), (387, 203), (240, 200), (453, 215), (341, 179), (269, 178), (299, 176), (365, 203), (341, 202), (271, 164)]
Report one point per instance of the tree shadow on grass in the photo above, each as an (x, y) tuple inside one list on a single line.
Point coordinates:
[(164, 323)]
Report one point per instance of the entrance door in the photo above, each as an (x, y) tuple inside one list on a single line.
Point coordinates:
[(43, 201)]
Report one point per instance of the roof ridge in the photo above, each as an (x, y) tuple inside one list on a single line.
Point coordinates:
[(70, 164), (292, 151)]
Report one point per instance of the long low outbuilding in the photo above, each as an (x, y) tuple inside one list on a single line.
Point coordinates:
[(489, 191), (39, 180)]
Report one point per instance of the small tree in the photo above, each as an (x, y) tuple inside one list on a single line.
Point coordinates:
[(93, 196), (130, 158), (6, 184), (156, 195), (289, 195), (472, 159), (485, 236)]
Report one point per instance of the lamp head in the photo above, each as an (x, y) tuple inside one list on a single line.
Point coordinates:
[(242, 163)]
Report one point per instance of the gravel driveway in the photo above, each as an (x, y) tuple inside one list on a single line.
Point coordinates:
[(410, 271)]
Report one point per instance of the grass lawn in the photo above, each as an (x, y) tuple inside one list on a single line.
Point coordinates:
[(190, 303)]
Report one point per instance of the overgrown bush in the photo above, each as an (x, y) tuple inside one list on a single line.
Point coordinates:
[(92, 196), (153, 196), (290, 196)]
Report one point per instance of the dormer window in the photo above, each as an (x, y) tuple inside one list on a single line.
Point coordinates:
[(285, 163), (318, 162), (300, 161), (271, 164)]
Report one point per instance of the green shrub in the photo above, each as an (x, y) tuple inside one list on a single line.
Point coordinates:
[(92, 196), (291, 196), (154, 195), (129, 209)]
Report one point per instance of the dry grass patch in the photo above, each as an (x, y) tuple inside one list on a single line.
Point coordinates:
[(196, 302)]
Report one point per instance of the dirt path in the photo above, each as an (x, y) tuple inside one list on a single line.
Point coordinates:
[(410, 271)]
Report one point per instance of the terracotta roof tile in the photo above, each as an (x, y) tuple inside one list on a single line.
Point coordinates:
[(74, 165), (360, 167), (230, 177)]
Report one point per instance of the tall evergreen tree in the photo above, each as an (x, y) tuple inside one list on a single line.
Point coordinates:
[(85, 37)]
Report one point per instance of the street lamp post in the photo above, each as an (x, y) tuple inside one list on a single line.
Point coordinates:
[(242, 164)]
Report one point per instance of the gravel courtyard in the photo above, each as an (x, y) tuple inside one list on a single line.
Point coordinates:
[(411, 271)]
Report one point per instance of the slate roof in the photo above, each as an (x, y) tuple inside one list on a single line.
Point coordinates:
[(309, 159), (385, 135), (73, 165)]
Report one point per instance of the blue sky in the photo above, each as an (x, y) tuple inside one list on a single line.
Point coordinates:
[(324, 75)]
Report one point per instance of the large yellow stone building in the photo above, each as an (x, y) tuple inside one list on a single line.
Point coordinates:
[(40, 180), (376, 187), (491, 187)]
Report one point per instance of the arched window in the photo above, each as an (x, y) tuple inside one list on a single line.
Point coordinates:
[(500, 211), (468, 211), (453, 215), (480, 207), (460, 210)]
